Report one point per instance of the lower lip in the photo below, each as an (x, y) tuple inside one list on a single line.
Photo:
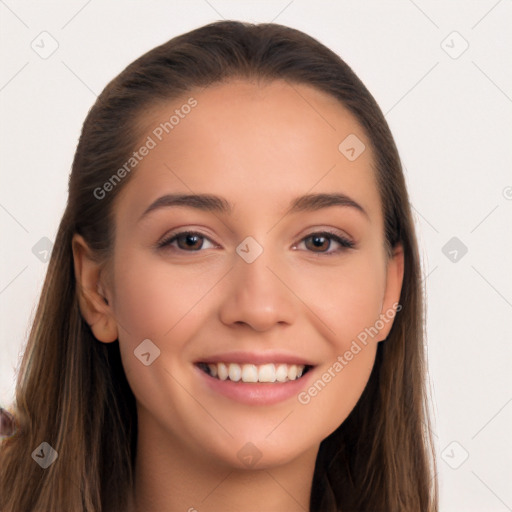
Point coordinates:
[(256, 393)]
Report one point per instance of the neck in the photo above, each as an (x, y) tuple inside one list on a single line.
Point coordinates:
[(169, 478)]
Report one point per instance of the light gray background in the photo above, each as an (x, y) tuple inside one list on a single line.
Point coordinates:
[(450, 113)]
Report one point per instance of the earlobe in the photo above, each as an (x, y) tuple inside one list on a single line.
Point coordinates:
[(391, 302), (94, 305)]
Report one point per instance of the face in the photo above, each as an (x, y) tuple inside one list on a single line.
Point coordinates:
[(253, 283)]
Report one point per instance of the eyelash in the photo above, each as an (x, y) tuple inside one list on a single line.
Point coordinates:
[(345, 243)]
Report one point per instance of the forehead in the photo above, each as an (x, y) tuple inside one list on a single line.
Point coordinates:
[(258, 145)]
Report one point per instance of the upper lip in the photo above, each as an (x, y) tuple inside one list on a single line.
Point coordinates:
[(256, 358)]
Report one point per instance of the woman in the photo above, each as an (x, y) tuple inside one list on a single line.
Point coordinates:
[(232, 316)]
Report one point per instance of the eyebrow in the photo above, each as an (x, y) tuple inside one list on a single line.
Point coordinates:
[(217, 204)]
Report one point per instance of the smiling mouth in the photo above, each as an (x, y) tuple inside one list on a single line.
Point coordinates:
[(247, 373)]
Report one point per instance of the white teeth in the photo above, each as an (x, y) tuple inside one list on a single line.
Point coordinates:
[(255, 373), (222, 371), (282, 373), (249, 373), (267, 373), (235, 372)]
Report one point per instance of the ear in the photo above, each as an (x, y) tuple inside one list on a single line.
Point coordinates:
[(394, 279), (95, 307)]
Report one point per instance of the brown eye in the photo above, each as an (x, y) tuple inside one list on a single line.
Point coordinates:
[(187, 241), (321, 243), (318, 242)]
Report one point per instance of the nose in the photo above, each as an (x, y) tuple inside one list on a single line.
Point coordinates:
[(258, 295)]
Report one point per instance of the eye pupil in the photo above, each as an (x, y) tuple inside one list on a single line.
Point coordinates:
[(191, 241), (320, 242)]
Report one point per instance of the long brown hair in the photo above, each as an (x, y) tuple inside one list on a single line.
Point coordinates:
[(72, 391)]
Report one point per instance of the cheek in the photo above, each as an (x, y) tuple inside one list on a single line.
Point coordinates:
[(339, 384), (152, 297), (347, 299), (153, 301), (156, 301)]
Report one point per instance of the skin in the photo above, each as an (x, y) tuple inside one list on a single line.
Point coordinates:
[(259, 146)]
